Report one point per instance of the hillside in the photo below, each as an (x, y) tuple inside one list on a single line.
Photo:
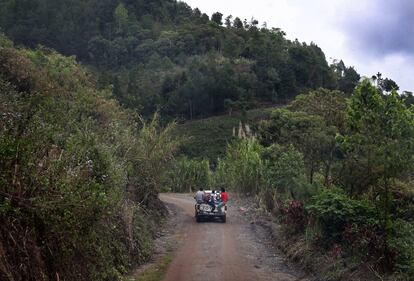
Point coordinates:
[(208, 138), (163, 55), (73, 206)]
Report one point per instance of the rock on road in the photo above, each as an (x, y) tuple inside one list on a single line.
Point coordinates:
[(222, 251)]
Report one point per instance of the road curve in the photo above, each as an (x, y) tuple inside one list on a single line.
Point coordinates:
[(214, 250)]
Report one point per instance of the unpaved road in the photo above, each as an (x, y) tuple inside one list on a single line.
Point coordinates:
[(235, 250)]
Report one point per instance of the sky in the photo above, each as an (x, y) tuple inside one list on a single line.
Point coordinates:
[(371, 35)]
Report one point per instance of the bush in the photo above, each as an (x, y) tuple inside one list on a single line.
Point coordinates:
[(402, 242), (333, 210), (293, 214)]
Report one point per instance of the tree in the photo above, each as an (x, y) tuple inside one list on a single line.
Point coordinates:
[(380, 134), (284, 169), (384, 85), (307, 133), (121, 36), (197, 13), (310, 66), (228, 21), (328, 104), (204, 18), (408, 98), (217, 18), (389, 85), (380, 144), (347, 77), (253, 22), (237, 23), (121, 17)]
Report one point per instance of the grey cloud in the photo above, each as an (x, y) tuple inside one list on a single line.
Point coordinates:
[(384, 27)]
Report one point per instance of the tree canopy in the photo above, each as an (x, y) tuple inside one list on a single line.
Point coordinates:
[(164, 55)]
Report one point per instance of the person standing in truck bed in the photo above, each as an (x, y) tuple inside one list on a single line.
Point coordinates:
[(224, 198), (199, 197)]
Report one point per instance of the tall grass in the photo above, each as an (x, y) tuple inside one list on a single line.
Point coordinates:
[(242, 168), (188, 175)]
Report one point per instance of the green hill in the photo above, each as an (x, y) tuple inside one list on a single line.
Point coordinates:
[(164, 55), (208, 138)]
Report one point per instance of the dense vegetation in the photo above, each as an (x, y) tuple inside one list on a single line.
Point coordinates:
[(337, 172), (79, 175), (79, 168), (162, 54)]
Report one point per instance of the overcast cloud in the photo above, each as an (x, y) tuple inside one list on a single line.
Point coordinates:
[(372, 35), (383, 28)]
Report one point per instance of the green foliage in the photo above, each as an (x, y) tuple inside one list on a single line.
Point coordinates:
[(76, 173), (307, 133), (330, 105), (217, 18), (373, 226), (403, 242), (188, 175), (380, 141), (5, 42), (203, 88), (165, 56), (309, 66), (379, 147), (149, 157), (242, 168), (208, 138), (370, 217), (408, 98), (380, 130), (346, 77), (285, 171), (121, 17), (333, 210)]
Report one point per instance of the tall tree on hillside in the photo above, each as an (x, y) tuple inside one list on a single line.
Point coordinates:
[(347, 77), (389, 85), (121, 17), (384, 84), (217, 18), (408, 98), (237, 23), (228, 21)]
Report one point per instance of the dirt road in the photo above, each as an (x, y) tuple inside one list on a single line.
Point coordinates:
[(223, 251)]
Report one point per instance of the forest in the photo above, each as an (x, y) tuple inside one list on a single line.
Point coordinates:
[(98, 96), (166, 56)]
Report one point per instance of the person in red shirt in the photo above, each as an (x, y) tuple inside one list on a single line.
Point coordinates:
[(224, 197)]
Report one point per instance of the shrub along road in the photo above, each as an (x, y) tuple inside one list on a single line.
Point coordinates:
[(236, 250)]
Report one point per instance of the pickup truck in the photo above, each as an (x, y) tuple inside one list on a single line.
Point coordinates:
[(203, 211)]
